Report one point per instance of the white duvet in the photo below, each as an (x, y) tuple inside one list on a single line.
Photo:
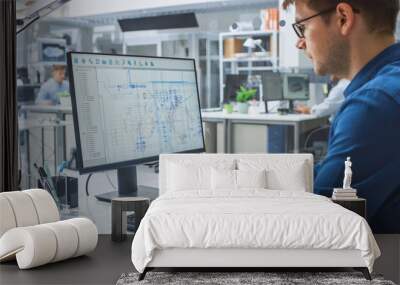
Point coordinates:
[(250, 219)]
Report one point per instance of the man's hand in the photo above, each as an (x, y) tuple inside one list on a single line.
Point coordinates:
[(302, 109)]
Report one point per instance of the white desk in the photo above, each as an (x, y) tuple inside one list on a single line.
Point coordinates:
[(268, 119), (24, 125), (58, 109)]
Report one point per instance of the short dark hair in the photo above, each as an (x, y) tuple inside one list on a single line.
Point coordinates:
[(57, 67), (379, 15)]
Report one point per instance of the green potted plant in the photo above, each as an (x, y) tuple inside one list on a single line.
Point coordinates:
[(243, 96)]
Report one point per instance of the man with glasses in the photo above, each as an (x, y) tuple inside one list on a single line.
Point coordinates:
[(354, 39)]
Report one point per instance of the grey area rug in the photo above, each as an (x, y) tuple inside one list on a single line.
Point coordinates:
[(243, 278)]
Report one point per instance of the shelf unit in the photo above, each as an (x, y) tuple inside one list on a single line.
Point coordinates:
[(236, 64)]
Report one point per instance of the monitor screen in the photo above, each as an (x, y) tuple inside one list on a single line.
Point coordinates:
[(130, 109), (27, 93), (296, 87), (272, 86), (232, 84)]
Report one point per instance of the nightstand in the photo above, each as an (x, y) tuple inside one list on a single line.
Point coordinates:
[(357, 205), (119, 206)]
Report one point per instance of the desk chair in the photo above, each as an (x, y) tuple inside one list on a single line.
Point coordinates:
[(316, 142)]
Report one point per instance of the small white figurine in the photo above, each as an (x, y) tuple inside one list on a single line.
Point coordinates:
[(347, 174)]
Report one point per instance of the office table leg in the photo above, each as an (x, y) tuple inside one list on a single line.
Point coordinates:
[(64, 138), (55, 149), (60, 144), (267, 138), (28, 157), (226, 135), (296, 138), (229, 136), (43, 158)]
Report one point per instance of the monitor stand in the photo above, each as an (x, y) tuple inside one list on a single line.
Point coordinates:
[(285, 111), (127, 187), (291, 107), (266, 106)]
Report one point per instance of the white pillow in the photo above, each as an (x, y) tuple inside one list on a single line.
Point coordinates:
[(282, 174), (223, 179), (292, 179), (237, 179), (194, 174), (184, 177), (251, 178)]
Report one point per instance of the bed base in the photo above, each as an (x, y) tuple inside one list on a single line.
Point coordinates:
[(363, 270), (245, 259)]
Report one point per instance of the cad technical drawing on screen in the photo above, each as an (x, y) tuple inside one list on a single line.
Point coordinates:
[(130, 108)]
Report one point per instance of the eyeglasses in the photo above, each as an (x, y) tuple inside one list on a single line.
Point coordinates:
[(300, 28)]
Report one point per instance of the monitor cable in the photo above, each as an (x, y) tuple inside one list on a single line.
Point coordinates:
[(90, 176), (87, 184)]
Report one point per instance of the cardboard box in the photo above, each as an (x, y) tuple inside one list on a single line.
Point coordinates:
[(232, 46)]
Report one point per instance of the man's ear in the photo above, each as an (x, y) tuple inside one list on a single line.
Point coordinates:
[(345, 18)]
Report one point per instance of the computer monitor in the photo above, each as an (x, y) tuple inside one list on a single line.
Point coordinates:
[(272, 86), (232, 84), (295, 87), (26, 94), (130, 109), (50, 50)]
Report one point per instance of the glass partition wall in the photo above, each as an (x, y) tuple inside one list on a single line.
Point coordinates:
[(47, 156)]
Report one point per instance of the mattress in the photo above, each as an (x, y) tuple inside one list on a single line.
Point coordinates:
[(250, 219)]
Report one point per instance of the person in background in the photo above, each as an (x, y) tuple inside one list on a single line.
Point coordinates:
[(331, 104), (354, 39), (54, 88)]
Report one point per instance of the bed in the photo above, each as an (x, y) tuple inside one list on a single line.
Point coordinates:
[(246, 211)]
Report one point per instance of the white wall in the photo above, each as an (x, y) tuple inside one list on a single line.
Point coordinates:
[(289, 55)]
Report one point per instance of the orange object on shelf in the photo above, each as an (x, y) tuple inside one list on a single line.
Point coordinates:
[(232, 46), (271, 19)]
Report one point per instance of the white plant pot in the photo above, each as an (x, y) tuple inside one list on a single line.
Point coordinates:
[(243, 108), (65, 101)]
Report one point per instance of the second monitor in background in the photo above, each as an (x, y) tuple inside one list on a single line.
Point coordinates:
[(295, 87), (26, 94), (272, 87), (285, 86), (232, 84)]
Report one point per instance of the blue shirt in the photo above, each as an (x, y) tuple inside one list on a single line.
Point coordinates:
[(51, 91), (367, 128)]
